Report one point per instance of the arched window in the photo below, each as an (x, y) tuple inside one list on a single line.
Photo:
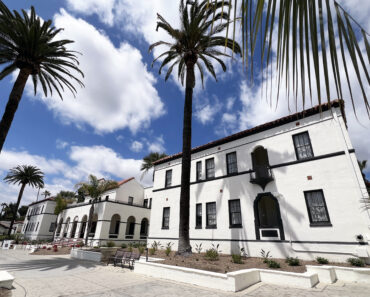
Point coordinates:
[(74, 227), (59, 227), (83, 226), (130, 227), (114, 226), (66, 227), (144, 228)]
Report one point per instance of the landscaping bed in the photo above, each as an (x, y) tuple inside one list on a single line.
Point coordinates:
[(61, 251)]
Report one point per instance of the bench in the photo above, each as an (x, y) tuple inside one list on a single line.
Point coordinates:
[(134, 257), (117, 258), (6, 280)]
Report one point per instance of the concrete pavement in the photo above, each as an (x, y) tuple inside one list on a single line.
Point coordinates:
[(50, 276)]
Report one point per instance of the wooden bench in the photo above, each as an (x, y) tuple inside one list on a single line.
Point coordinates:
[(117, 258), (134, 257)]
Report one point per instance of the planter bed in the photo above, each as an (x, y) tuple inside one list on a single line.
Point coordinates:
[(61, 251)]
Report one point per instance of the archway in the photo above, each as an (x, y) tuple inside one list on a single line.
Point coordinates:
[(94, 222), (83, 226), (66, 227), (144, 228), (74, 227), (130, 227), (59, 229), (114, 226), (267, 218)]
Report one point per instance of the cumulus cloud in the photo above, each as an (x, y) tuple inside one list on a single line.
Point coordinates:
[(60, 144), (119, 90), (157, 145), (136, 146)]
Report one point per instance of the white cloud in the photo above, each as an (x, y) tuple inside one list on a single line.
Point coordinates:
[(157, 145), (119, 90), (136, 146), (60, 144), (120, 138)]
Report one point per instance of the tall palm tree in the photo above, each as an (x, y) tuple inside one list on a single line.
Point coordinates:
[(194, 45), (46, 194), (148, 162), (23, 175), (29, 45), (307, 40), (94, 188)]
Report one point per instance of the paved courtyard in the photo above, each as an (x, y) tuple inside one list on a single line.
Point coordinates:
[(46, 276)]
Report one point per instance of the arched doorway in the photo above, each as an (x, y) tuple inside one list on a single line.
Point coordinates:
[(130, 227), (94, 222), (59, 227), (66, 227), (261, 174), (83, 226), (74, 227), (144, 228), (267, 218), (114, 226)]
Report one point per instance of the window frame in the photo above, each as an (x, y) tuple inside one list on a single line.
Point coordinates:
[(295, 147), (145, 203), (317, 224), (130, 200), (231, 225), (207, 214), (198, 173), (214, 167), (163, 217), (166, 184), (227, 163), (198, 226)]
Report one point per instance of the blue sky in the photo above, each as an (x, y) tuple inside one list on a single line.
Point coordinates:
[(126, 108)]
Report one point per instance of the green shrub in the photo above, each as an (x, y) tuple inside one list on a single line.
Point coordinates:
[(156, 245), (212, 254), (356, 262), (95, 247), (152, 251), (292, 261), (168, 248), (141, 250), (272, 264), (136, 245), (237, 259), (111, 244), (198, 248), (322, 260), (265, 255), (123, 245)]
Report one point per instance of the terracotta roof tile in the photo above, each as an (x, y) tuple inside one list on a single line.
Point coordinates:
[(125, 181)]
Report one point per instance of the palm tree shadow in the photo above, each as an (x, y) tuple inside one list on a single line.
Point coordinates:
[(49, 264)]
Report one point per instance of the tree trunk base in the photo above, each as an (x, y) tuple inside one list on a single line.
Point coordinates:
[(185, 253)]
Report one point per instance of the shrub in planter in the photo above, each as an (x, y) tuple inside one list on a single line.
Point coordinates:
[(136, 245), (322, 260), (237, 259), (265, 255), (292, 261), (151, 251), (141, 250), (168, 248), (272, 264), (44, 247), (123, 245), (356, 262), (212, 254), (130, 247), (111, 244), (49, 248), (55, 248)]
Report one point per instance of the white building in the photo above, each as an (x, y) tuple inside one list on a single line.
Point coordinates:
[(120, 215), (40, 219), (291, 186)]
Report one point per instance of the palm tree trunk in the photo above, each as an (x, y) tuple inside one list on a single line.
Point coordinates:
[(89, 222), (12, 105), (184, 241), (16, 208)]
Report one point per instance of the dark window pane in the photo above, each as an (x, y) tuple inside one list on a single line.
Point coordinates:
[(268, 213), (235, 213), (211, 214), (168, 178), (198, 215), (130, 200), (232, 166), (303, 146), (199, 170), (166, 218), (316, 206), (210, 168)]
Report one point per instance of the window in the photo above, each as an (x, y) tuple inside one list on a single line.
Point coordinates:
[(150, 203), (210, 168), (235, 215), (199, 170), (52, 227), (211, 215), (130, 200), (316, 207), (231, 163), (42, 209), (302, 145), (166, 218), (145, 204), (168, 178), (198, 216)]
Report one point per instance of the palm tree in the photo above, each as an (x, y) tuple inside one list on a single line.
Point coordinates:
[(3, 206), (94, 188), (148, 162), (46, 193), (29, 45), (195, 44), (23, 175), (294, 35)]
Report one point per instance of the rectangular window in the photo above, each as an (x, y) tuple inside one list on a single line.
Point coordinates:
[(316, 207), (199, 170), (231, 163), (211, 215), (302, 145), (235, 215), (150, 203), (37, 226), (145, 204), (198, 216), (210, 168), (130, 200), (168, 178), (166, 218), (52, 227)]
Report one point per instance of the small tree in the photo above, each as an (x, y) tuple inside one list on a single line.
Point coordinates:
[(62, 200), (23, 175)]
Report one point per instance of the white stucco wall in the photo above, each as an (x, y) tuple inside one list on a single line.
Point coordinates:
[(337, 174)]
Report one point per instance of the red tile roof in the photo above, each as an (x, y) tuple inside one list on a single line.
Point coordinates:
[(125, 181), (276, 123), (40, 201)]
